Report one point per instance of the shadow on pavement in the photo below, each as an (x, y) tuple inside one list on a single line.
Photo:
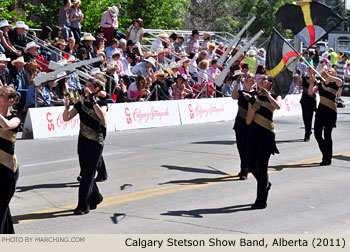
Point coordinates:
[(39, 216), (199, 181), (289, 141), (62, 185), (198, 213), (342, 157), (195, 170), (225, 142), (281, 167)]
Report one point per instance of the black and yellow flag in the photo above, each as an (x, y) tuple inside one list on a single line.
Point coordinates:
[(308, 20), (280, 63)]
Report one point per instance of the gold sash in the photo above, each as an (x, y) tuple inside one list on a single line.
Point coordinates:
[(329, 89), (90, 133), (265, 123), (92, 114), (242, 112), (328, 103)]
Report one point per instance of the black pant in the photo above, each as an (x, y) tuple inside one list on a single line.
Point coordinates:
[(8, 181), (89, 156), (242, 132), (324, 142), (308, 113), (259, 154), (76, 33), (101, 169)]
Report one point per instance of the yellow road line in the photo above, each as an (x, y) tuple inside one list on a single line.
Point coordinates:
[(147, 193)]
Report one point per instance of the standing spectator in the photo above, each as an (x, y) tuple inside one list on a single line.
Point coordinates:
[(333, 57), (310, 57), (340, 68), (5, 42), (17, 36), (260, 57), (323, 66), (158, 43), (64, 19), (260, 70), (9, 125), (316, 58), (76, 16), (211, 51), (193, 44), (228, 87), (136, 31), (178, 45), (109, 23), (206, 40), (302, 67)]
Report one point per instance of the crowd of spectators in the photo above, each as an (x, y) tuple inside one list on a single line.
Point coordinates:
[(171, 69)]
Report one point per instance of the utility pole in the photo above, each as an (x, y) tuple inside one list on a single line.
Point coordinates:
[(343, 15)]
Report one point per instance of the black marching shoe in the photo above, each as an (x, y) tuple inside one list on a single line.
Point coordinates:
[(80, 211), (307, 136), (325, 163), (99, 179), (93, 206), (260, 205), (242, 176)]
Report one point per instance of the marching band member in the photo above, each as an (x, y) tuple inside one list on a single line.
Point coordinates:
[(261, 139), (92, 112), (326, 113), (9, 124)]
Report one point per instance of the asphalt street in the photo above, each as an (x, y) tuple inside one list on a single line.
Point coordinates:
[(184, 180)]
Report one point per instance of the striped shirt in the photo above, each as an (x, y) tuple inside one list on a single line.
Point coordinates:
[(341, 65)]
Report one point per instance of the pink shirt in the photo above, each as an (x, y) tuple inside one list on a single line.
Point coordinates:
[(108, 21), (213, 73)]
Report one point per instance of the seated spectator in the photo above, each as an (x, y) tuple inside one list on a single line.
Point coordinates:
[(161, 86), (31, 70), (99, 45), (43, 95), (184, 68), (55, 99), (158, 43), (162, 63), (220, 49), (137, 89), (87, 41), (17, 36), (181, 88), (122, 47), (30, 51), (259, 71), (70, 47), (116, 60), (128, 76), (45, 34), (113, 89), (112, 48), (82, 54), (175, 68), (206, 40), (227, 87), (211, 51), (56, 33), (5, 42), (59, 51), (4, 71), (145, 68), (213, 71), (179, 44), (203, 74)]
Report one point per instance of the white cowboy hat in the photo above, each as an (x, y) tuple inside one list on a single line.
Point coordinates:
[(161, 51), (88, 36), (114, 11), (111, 66), (163, 35), (30, 45), (183, 54), (95, 70), (174, 65), (3, 58), (151, 60), (21, 24), (4, 23), (18, 60), (160, 73)]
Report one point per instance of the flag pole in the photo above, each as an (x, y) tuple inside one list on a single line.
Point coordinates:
[(224, 56), (220, 79), (299, 56)]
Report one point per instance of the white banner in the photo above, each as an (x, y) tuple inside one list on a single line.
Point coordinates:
[(139, 115), (207, 110), (48, 122), (290, 106)]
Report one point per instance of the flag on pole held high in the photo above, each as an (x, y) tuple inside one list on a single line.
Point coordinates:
[(281, 60), (308, 20)]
